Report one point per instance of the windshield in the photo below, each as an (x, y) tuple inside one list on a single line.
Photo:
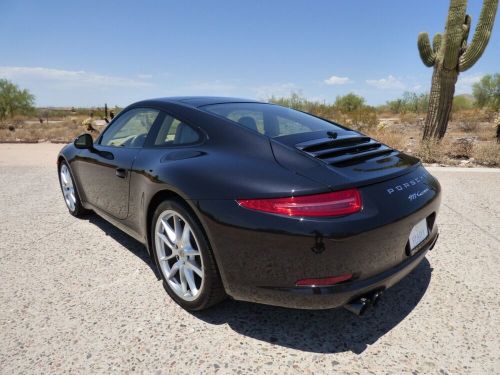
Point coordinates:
[(271, 120)]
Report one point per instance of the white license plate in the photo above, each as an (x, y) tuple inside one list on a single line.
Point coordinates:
[(418, 233)]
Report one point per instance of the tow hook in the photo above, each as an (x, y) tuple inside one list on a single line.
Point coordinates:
[(361, 304)]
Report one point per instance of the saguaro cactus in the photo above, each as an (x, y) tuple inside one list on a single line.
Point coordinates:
[(449, 55)]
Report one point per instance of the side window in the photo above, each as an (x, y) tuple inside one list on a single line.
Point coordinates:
[(251, 119), (287, 126), (130, 129), (174, 132)]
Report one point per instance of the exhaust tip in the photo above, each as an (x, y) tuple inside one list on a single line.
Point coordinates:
[(360, 305)]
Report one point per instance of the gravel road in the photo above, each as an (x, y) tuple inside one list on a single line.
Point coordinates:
[(79, 296)]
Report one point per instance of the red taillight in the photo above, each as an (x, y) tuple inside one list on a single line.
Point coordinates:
[(325, 281), (338, 203)]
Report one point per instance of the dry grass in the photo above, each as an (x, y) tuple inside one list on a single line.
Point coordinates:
[(391, 138), (470, 138), (32, 131), (460, 148), (487, 154), (432, 152)]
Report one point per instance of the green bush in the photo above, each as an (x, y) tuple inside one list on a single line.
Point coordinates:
[(462, 102), (409, 102), (349, 109), (487, 92), (14, 101)]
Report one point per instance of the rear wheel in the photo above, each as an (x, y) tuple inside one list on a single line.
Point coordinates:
[(71, 197), (184, 258)]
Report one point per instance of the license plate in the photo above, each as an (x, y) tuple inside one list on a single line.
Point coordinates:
[(418, 233)]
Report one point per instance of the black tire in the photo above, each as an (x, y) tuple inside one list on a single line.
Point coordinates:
[(212, 290), (78, 210)]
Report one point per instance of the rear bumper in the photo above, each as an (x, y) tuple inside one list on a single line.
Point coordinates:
[(262, 256), (339, 295)]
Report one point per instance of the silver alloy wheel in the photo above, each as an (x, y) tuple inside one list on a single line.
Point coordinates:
[(179, 255), (68, 188)]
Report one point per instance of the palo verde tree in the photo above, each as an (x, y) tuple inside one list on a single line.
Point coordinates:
[(14, 101), (487, 92), (450, 54)]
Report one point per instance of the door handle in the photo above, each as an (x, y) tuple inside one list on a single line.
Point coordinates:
[(120, 172)]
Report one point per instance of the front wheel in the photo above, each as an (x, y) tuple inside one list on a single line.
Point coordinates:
[(184, 258), (71, 197)]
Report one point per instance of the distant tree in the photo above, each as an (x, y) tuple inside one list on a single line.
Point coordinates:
[(487, 92), (295, 101), (14, 101), (409, 102), (349, 109), (349, 103), (462, 102)]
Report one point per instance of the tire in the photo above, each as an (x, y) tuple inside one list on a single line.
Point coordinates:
[(70, 194), (184, 258)]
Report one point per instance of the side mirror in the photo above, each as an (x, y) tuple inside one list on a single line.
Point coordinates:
[(84, 141)]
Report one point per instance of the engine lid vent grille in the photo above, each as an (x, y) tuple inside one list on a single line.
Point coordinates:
[(345, 151)]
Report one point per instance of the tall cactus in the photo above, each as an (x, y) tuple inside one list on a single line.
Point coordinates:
[(450, 54)]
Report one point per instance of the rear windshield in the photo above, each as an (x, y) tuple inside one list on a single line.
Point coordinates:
[(271, 120)]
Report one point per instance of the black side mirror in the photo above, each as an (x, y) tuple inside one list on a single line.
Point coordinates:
[(84, 141)]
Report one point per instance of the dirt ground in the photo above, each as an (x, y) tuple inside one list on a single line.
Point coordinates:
[(79, 296)]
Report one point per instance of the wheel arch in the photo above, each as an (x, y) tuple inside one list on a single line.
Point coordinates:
[(166, 194), (60, 159), (161, 196)]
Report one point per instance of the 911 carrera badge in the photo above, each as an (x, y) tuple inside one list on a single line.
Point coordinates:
[(414, 196)]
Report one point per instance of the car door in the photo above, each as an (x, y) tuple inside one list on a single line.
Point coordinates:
[(104, 171)]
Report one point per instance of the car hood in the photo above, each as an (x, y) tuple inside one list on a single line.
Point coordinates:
[(341, 159)]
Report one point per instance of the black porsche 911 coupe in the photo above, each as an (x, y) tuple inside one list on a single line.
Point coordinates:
[(256, 201)]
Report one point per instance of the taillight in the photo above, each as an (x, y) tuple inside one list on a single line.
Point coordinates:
[(337, 203), (324, 281)]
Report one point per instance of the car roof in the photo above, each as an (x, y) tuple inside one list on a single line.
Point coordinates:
[(199, 101)]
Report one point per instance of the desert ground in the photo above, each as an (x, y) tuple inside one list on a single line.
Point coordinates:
[(78, 295)]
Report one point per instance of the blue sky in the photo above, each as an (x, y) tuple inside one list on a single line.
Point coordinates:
[(85, 53)]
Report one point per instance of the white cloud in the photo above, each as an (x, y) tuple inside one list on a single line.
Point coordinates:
[(274, 89), (144, 76), (69, 78), (465, 82), (334, 80), (389, 83)]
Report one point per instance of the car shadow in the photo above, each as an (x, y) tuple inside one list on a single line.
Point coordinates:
[(319, 331), (324, 331), (128, 242)]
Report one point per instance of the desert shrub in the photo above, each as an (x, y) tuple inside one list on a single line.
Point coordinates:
[(467, 121), (362, 119), (410, 118), (349, 109), (486, 132), (487, 92), (431, 151), (462, 102), (460, 148), (14, 101), (477, 115), (349, 103), (391, 138), (63, 131), (409, 102), (487, 153)]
